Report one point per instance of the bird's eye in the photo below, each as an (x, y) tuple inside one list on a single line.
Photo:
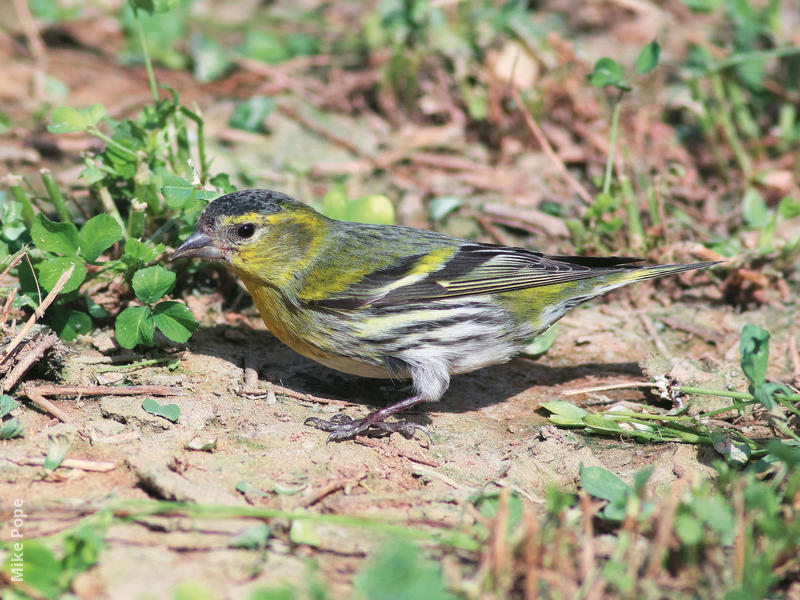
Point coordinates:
[(246, 231)]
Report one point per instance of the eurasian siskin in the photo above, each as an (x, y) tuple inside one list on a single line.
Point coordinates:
[(395, 302)]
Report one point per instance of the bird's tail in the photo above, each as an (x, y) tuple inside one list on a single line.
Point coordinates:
[(626, 274)]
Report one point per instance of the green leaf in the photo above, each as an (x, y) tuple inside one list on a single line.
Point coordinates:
[(190, 589), (401, 571), (179, 192), (375, 208), (754, 209), (489, 504), (137, 253), (5, 123), (648, 58), (154, 6), (542, 342), (265, 47), (250, 114), (716, 512), (249, 489), (789, 208), (281, 592), (151, 283), (61, 238), (442, 206), (702, 6), (94, 309), (210, 61), (51, 270), (40, 568), (69, 323), (171, 412), (134, 326), (7, 405), (57, 448), (98, 234), (734, 451), (65, 119), (608, 72), (11, 429), (174, 320), (602, 423), (252, 538), (689, 529), (641, 477), (334, 204), (754, 353), (565, 413), (604, 484), (302, 532)]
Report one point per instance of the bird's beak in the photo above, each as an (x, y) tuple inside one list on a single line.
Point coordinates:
[(198, 245)]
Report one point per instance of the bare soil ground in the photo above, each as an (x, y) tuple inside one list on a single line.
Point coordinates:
[(488, 431)]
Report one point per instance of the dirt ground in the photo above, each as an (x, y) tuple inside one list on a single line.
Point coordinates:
[(488, 432)]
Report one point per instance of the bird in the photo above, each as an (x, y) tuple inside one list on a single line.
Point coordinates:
[(395, 302)]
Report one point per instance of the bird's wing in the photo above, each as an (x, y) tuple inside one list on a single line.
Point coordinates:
[(470, 269)]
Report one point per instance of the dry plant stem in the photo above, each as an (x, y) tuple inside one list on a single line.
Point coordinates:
[(664, 530), (68, 463), (548, 150), (42, 345), (531, 553), (290, 393), (323, 131), (333, 486), (793, 355), (45, 404), (651, 330), (587, 554), (37, 314), (12, 264), (610, 386), (498, 540), (497, 234), (7, 307), (396, 451), (740, 542), (103, 390), (35, 44)]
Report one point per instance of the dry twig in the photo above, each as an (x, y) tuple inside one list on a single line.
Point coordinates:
[(548, 150), (37, 314)]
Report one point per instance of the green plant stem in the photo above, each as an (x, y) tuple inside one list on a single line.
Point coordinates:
[(743, 57), (99, 134), (108, 205), (55, 196), (20, 196), (612, 144), (707, 126), (723, 117), (636, 235), (201, 144), (133, 509), (683, 389), (148, 63)]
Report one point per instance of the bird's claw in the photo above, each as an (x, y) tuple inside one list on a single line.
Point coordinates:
[(342, 427)]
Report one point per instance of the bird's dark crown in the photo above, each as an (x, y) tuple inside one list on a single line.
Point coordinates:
[(264, 202)]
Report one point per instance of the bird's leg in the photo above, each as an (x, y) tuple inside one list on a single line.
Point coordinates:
[(342, 427)]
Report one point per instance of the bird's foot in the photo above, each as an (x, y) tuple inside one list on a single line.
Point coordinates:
[(342, 427)]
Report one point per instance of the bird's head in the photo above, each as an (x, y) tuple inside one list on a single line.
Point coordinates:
[(260, 234)]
